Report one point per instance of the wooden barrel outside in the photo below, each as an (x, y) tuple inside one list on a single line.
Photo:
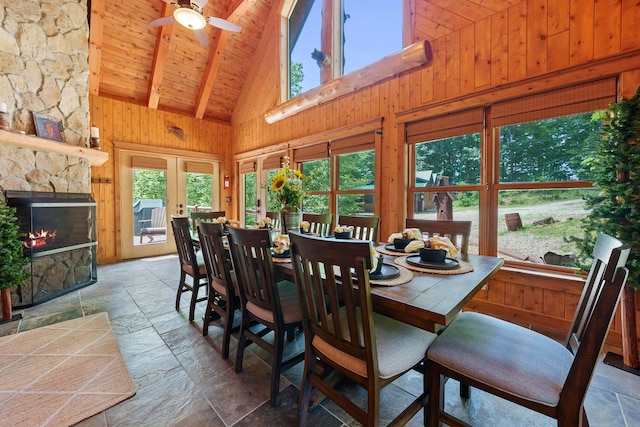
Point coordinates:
[(513, 220)]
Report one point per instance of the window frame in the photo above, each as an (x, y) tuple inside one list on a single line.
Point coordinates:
[(575, 102)]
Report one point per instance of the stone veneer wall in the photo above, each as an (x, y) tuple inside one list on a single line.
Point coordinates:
[(44, 51)]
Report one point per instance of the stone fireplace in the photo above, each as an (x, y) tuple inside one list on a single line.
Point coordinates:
[(44, 53), (59, 240)]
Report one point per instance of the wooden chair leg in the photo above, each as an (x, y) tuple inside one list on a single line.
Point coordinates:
[(436, 395), (276, 367), (181, 285), (194, 298), (242, 342), (305, 395), (228, 327)]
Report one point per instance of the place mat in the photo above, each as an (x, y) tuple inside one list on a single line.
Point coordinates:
[(60, 374), (404, 277), (465, 267), (383, 250)]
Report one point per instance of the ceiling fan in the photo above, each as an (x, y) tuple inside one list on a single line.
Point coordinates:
[(188, 13)]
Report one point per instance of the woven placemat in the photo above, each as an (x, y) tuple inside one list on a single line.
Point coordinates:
[(386, 251), (465, 267), (404, 277)]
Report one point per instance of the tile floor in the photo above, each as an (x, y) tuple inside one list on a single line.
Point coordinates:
[(182, 380)]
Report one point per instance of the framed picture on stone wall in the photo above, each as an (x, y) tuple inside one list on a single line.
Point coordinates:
[(49, 127)]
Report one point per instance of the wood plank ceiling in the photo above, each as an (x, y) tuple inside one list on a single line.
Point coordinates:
[(166, 68)]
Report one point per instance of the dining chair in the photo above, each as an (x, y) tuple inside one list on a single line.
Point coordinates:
[(456, 231), (224, 298), (264, 300), (343, 334), (275, 219), (190, 264), (365, 227), (320, 224), (526, 367)]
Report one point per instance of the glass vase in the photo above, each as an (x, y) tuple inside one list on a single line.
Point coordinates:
[(290, 216)]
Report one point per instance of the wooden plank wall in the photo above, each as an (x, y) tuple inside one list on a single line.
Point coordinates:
[(532, 46), (125, 122)]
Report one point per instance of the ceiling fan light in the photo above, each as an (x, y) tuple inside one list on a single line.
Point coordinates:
[(189, 18)]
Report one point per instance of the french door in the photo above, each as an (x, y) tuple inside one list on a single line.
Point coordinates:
[(152, 188)]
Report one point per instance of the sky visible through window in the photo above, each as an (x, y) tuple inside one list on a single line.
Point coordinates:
[(373, 30)]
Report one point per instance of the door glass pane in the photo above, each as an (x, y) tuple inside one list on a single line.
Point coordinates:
[(199, 192), (319, 186), (273, 205), (250, 199), (149, 206)]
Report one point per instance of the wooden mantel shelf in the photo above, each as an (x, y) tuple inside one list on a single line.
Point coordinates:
[(95, 157)]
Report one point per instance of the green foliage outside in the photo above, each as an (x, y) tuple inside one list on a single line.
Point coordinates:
[(614, 166), (295, 78), (151, 184), (12, 259)]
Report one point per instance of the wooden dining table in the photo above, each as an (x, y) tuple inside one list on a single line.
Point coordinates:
[(428, 299)]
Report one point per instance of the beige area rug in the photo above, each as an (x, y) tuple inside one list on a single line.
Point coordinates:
[(60, 374)]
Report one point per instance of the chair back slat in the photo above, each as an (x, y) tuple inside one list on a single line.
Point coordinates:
[(252, 262), (456, 231), (594, 314), (334, 291), (365, 227), (184, 242), (216, 259), (320, 224)]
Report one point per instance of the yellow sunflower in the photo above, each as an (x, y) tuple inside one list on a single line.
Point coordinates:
[(278, 183)]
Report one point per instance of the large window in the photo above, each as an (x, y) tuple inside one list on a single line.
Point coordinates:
[(524, 186), (341, 175), (324, 44)]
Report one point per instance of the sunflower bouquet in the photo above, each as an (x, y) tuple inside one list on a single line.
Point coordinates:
[(288, 185)]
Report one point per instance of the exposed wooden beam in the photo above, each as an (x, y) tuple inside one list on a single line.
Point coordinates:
[(96, 27), (234, 12), (159, 60), (415, 55)]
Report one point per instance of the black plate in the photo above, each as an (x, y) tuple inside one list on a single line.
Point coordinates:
[(448, 264), (282, 255), (391, 247), (386, 272)]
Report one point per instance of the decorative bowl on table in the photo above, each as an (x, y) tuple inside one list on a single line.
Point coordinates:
[(402, 242), (433, 255), (342, 234)]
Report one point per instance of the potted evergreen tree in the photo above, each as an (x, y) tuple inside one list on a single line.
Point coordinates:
[(616, 209), (12, 259)]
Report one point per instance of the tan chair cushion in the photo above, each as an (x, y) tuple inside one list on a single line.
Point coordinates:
[(400, 347), (511, 358), (291, 311)]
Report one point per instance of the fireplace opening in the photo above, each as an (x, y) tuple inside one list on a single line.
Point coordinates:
[(60, 241)]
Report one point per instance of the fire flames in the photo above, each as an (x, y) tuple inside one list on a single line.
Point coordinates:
[(40, 238)]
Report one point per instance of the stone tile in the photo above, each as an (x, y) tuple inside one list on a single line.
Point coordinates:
[(603, 408), (285, 413), (139, 342), (50, 318), (152, 366), (233, 396), (161, 403), (129, 323), (630, 410)]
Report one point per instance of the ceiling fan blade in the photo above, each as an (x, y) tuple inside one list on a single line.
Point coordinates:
[(162, 21), (201, 35), (224, 24)]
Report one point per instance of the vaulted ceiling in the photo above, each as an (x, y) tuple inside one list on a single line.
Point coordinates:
[(166, 68)]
